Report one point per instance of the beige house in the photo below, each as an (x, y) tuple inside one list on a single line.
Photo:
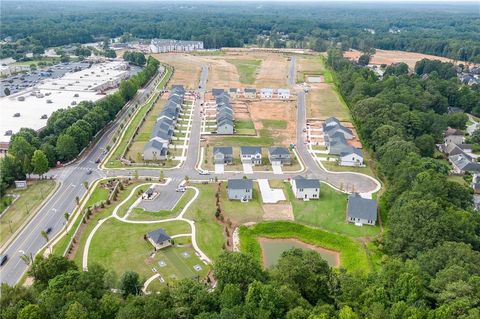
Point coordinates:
[(159, 239)]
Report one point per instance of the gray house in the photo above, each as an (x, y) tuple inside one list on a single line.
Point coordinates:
[(240, 189), (251, 155), (279, 155), (305, 189), (225, 126), (217, 92), (159, 239), (155, 150), (223, 155), (250, 93), (361, 211)]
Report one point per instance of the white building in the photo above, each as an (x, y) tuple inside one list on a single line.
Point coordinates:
[(305, 189), (283, 94), (351, 157), (266, 93), (169, 45)]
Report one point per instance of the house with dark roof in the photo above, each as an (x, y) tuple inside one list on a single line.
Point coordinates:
[(223, 155), (159, 239), (332, 126), (350, 156), (225, 126), (251, 155), (361, 211), (305, 189), (279, 156), (454, 136), (216, 92), (462, 164), (154, 151), (233, 92), (250, 93), (240, 189)]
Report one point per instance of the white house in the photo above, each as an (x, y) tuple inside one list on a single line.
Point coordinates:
[(250, 93), (251, 155), (454, 136), (283, 94), (266, 93), (351, 157), (305, 189)]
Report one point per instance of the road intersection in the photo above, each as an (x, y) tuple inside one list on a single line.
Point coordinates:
[(71, 178)]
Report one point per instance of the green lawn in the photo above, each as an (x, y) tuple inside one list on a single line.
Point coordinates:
[(29, 200), (275, 124), (238, 212), (264, 139), (121, 246), (140, 214), (331, 166), (247, 69), (210, 236), (245, 127), (328, 213), (353, 256)]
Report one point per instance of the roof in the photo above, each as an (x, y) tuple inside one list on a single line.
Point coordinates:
[(216, 92), (302, 182), (226, 150), (332, 120), (158, 236), (334, 127), (250, 150), (234, 90), (464, 163), (266, 90), (351, 150), (453, 131), (250, 90), (277, 150), (240, 184), (153, 144), (359, 207), (283, 91)]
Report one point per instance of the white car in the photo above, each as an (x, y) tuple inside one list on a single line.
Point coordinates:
[(181, 189), (204, 172)]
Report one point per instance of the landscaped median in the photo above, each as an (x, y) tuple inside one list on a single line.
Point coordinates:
[(353, 256)]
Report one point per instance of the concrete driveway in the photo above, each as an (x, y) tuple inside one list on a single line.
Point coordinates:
[(269, 195), (247, 168), (277, 169), (219, 168)]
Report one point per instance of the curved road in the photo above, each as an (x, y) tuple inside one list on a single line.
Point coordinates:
[(71, 178)]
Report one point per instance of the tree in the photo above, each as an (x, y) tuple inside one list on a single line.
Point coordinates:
[(30, 311), (64, 58), (130, 283), (44, 269), (237, 268), (66, 147), (364, 59), (426, 145), (39, 163)]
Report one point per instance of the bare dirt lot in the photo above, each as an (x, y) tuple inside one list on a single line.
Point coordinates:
[(187, 68), (279, 211), (273, 71), (389, 57)]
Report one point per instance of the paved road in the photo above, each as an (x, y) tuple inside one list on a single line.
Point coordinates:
[(291, 71), (72, 177)]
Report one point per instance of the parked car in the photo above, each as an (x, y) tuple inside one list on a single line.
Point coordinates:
[(48, 230), (204, 172), (181, 189), (97, 161), (89, 172), (4, 260)]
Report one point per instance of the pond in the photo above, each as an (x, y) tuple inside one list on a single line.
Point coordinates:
[(272, 249)]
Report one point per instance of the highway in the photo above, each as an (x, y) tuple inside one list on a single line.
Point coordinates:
[(72, 176)]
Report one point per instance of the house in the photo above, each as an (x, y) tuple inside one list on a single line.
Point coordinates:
[(240, 189), (461, 164), (155, 150), (454, 149), (351, 157), (361, 211), (454, 136), (159, 239), (279, 155), (305, 189), (225, 126), (266, 93), (233, 92), (217, 92), (283, 94), (251, 155), (332, 126), (223, 155), (250, 93), (476, 183)]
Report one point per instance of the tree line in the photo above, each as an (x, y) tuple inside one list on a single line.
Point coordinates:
[(439, 30), (67, 133)]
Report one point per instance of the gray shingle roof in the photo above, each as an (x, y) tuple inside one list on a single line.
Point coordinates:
[(250, 90), (154, 144), (464, 163), (240, 184), (302, 182), (250, 150), (226, 150), (277, 150), (359, 207), (216, 92), (158, 236)]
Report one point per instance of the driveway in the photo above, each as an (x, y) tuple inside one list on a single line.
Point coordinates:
[(277, 169), (269, 195), (219, 168), (247, 168)]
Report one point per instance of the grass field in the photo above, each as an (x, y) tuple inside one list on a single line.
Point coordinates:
[(120, 246), (18, 212), (247, 69), (245, 127), (331, 166), (238, 212), (210, 236), (323, 101), (328, 213), (308, 65), (353, 256), (275, 124)]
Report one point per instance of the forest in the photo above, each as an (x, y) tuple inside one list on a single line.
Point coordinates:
[(450, 30)]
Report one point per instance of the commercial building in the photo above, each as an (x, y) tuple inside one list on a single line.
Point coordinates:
[(169, 45)]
